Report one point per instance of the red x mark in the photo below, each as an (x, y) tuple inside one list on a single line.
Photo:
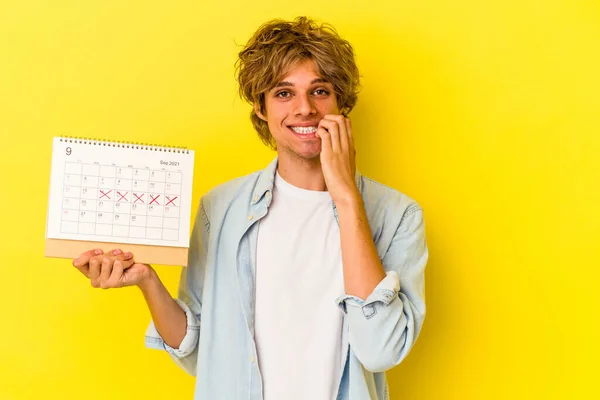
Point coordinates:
[(138, 198), (154, 199), (171, 200), (105, 194), (122, 196)]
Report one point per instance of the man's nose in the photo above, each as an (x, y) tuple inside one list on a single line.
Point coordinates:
[(304, 105)]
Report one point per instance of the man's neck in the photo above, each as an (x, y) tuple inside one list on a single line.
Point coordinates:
[(302, 173)]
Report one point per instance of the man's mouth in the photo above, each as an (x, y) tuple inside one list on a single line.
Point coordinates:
[(304, 130)]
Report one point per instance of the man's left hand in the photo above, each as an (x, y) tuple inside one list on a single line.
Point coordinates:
[(338, 158)]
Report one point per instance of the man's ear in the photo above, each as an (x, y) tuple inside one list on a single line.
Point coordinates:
[(258, 113)]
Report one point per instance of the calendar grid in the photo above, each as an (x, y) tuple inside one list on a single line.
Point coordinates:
[(121, 202)]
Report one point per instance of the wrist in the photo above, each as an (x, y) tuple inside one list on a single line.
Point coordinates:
[(150, 281), (349, 201)]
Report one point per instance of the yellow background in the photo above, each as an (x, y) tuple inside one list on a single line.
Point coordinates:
[(486, 112)]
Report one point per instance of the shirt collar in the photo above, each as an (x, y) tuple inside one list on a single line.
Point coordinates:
[(266, 180)]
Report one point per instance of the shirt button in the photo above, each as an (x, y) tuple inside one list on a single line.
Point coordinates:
[(252, 359), (255, 199), (249, 217)]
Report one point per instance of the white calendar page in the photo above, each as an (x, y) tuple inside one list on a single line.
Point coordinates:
[(113, 192)]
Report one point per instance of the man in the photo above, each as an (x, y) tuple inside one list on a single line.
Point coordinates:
[(305, 280)]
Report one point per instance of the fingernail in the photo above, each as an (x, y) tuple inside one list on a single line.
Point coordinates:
[(128, 254), (97, 251), (117, 252)]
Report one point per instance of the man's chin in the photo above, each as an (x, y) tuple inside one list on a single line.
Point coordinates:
[(306, 156)]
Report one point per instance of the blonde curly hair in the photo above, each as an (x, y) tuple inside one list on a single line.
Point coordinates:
[(277, 47)]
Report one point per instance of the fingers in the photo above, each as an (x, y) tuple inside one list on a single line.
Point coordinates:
[(350, 136), (116, 276), (351, 148), (340, 130), (105, 270), (333, 128), (81, 262), (323, 134), (101, 267), (94, 271)]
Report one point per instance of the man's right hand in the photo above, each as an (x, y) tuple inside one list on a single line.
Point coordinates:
[(113, 269)]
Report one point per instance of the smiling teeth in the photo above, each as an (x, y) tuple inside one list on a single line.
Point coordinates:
[(304, 130)]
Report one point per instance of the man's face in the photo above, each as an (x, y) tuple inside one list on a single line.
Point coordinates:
[(294, 108)]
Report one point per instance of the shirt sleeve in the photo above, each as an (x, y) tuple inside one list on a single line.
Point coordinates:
[(384, 327), (189, 299)]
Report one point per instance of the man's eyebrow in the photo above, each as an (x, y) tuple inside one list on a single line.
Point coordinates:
[(317, 80)]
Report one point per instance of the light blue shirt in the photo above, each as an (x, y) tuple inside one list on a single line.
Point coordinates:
[(217, 292)]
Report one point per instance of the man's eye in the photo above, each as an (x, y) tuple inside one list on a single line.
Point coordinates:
[(321, 92), (283, 94)]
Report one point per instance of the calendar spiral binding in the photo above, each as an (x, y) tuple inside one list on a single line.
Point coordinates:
[(124, 144)]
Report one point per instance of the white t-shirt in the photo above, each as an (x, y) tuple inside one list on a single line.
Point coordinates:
[(298, 326)]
